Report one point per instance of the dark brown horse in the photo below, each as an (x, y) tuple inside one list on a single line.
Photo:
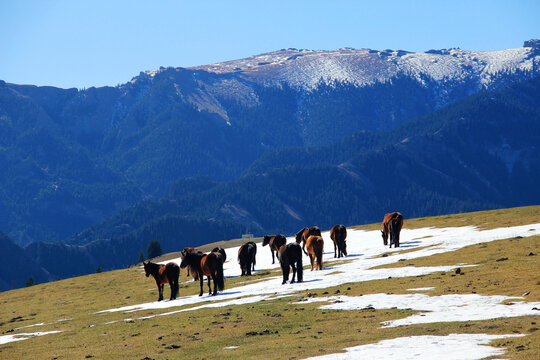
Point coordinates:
[(183, 253), (274, 242), (392, 224), (338, 234), (315, 248), (290, 255), (303, 234), (221, 251), (210, 265), (163, 274), (246, 257)]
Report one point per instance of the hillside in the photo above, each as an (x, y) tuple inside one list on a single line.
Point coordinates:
[(73, 157), (460, 285), (478, 153)]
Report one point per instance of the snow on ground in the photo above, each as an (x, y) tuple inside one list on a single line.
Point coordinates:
[(451, 347), (4, 339), (444, 308), (365, 249)]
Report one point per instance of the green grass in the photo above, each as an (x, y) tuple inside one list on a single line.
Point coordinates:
[(275, 329)]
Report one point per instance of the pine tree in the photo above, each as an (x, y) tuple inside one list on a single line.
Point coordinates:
[(141, 257), (30, 282), (154, 249)]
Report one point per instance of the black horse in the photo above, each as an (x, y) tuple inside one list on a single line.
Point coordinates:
[(163, 274), (338, 234), (246, 257), (395, 228), (291, 255)]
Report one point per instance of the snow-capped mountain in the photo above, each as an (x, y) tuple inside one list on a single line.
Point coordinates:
[(308, 68), (81, 155)]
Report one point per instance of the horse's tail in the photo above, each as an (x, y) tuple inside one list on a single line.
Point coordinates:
[(175, 285), (220, 279)]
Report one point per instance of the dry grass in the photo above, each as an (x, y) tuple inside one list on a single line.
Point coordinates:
[(276, 328)]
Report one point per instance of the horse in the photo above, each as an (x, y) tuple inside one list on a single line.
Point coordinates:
[(290, 255), (183, 253), (164, 274), (338, 234), (392, 224), (210, 265), (274, 242), (303, 234), (221, 251), (246, 257), (315, 246)]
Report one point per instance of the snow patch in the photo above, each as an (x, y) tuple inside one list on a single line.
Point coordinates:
[(451, 347)]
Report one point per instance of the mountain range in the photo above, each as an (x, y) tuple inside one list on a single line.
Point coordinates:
[(273, 142)]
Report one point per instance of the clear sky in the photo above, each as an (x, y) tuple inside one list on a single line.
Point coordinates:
[(80, 43)]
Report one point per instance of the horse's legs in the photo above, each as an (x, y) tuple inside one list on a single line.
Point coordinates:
[(215, 284), (285, 271), (319, 260), (209, 287), (304, 247), (272, 251), (335, 247), (312, 259), (293, 272), (201, 276)]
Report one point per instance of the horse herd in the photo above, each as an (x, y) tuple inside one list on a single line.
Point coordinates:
[(289, 255)]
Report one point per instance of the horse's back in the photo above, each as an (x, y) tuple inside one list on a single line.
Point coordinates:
[(338, 232), (278, 241), (290, 253), (314, 230), (315, 243)]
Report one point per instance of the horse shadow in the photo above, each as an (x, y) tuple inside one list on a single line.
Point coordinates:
[(410, 244), (230, 292)]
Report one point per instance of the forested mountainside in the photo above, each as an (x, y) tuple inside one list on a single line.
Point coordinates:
[(73, 157), (273, 142), (479, 153)]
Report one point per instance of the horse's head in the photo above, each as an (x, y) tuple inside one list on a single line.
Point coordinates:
[(185, 260), (299, 235), (266, 240), (384, 237), (146, 265)]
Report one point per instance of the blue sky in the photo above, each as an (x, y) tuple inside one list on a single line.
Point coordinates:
[(96, 43)]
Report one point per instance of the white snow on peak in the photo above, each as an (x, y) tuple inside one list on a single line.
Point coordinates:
[(307, 68)]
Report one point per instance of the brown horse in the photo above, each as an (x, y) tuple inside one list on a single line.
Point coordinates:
[(163, 274), (315, 247), (392, 224), (338, 234), (183, 253), (290, 255), (274, 242), (210, 265), (246, 257), (303, 234)]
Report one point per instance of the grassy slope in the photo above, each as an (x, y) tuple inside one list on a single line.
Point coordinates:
[(284, 330)]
